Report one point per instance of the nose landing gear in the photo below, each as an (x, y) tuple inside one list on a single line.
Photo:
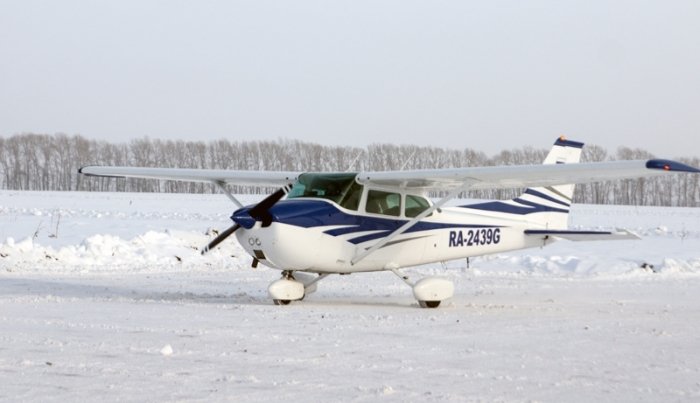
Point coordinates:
[(288, 288)]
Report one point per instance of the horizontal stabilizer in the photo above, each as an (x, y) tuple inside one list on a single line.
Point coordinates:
[(577, 236)]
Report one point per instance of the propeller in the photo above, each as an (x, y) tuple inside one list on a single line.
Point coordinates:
[(261, 210), (214, 242), (248, 218)]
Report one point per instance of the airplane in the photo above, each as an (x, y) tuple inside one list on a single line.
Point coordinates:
[(355, 222)]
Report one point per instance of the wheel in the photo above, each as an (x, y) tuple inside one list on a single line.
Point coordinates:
[(429, 304), (284, 291)]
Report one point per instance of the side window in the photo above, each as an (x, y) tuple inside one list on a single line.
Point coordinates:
[(386, 203), (415, 205)]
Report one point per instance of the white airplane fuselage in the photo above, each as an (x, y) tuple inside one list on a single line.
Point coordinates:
[(316, 235)]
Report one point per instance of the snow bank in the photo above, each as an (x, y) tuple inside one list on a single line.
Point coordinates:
[(88, 232), (150, 251)]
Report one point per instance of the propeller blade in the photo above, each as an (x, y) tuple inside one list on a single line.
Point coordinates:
[(211, 245), (261, 210)]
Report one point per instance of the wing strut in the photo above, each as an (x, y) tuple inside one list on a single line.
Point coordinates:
[(408, 225), (231, 197)]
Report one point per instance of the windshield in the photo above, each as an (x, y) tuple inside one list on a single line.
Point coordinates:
[(340, 188)]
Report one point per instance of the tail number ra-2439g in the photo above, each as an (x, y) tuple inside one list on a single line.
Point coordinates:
[(474, 237)]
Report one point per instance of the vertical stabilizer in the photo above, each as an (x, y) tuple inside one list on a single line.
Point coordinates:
[(555, 201)]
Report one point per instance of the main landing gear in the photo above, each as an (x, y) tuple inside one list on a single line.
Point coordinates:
[(429, 291)]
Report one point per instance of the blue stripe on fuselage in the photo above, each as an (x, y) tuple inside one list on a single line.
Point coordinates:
[(321, 213), (528, 208)]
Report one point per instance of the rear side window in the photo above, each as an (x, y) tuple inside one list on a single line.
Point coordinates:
[(415, 205), (385, 203)]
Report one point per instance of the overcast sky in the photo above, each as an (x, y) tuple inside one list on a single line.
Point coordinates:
[(486, 75)]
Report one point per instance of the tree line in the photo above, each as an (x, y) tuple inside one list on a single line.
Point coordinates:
[(50, 162)]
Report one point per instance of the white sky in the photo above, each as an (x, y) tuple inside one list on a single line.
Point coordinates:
[(486, 75)]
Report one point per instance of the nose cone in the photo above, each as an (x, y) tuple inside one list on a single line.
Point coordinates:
[(243, 218)]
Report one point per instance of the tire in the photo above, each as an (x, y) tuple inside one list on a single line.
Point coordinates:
[(281, 301), (429, 304)]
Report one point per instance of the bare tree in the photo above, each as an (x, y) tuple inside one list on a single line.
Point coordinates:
[(43, 162)]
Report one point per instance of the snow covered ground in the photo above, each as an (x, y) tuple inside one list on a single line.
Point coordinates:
[(104, 297)]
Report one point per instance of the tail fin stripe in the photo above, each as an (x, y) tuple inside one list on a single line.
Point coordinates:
[(561, 141), (535, 193), (540, 207), (501, 207), (560, 194)]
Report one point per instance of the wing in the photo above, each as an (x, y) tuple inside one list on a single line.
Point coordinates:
[(517, 176), (265, 178)]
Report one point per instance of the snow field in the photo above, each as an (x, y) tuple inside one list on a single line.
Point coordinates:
[(105, 311)]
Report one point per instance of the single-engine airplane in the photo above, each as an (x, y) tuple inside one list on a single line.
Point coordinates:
[(342, 223)]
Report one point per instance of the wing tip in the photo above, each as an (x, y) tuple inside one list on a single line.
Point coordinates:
[(82, 171), (670, 166)]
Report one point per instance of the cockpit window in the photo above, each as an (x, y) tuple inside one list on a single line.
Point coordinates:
[(340, 188)]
